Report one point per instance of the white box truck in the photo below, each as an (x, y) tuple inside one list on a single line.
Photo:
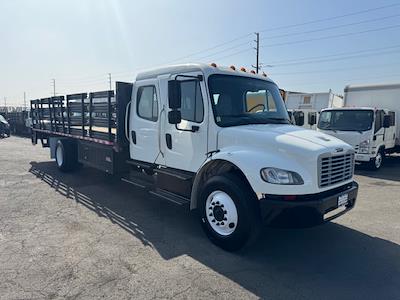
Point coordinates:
[(369, 121), (198, 134), (305, 107)]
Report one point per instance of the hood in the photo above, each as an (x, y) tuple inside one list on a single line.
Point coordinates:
[(288, 139), (353, 138)]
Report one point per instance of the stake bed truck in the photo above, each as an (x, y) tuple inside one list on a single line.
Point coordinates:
[(197, 134)]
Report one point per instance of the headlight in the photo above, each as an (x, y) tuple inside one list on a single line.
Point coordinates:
[(364, 147), (279, 176)]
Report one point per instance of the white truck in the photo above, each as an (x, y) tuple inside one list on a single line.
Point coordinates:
[(305, 107), (191, 134), (369, 122)]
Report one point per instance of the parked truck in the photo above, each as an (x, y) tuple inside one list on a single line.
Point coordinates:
[(306, 107), (190, 134), (369, 121)]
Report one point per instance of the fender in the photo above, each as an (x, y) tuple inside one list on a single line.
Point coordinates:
[(249, 162)]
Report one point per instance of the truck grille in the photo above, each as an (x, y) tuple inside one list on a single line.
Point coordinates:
[(335, 169)]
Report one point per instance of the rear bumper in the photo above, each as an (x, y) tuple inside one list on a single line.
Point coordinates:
[(307, 210)]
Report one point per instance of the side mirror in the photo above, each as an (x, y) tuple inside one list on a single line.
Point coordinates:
[(174, 94), (299, 118), (174, 117), (386, 121), (312, 118)]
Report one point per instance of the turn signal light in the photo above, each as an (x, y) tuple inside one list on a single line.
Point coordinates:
[(253, 72), (233, 68), (213, 65), (263, 74), (243, 69)]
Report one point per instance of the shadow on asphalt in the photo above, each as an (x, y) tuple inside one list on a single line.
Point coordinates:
[(389, 171), (330, 261)]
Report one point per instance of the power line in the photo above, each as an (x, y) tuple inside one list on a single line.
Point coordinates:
[(331, 36), (356, 56), (333, 70), (331, 27), (211, 48), (277, 63), (331, 18)]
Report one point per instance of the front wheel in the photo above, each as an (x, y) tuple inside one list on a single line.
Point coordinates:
[(377, 162), (228, 212)]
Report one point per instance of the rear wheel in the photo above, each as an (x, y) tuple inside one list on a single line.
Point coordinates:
[(228, 212), (66, 155)]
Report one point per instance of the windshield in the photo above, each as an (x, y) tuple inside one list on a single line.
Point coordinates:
[(242, 100), (346, 120)]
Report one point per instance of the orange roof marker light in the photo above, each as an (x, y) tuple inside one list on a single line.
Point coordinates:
[(213, 65), (265, 75), (243, 69), (253, 72), (233, 68)]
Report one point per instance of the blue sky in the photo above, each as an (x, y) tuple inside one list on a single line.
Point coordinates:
[(78, 42)]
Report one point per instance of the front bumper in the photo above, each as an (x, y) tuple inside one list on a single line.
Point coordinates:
[(307, 210), (363, 157)]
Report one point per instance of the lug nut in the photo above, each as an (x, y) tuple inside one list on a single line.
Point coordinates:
[(222, 223), (213, 220), (210, 207), (217, 202), (231, 225), (225, 212), (225, 219), (210, 215), (217, 224)]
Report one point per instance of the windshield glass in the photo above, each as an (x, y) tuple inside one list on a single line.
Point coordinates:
[(346, 120), (242, 100)]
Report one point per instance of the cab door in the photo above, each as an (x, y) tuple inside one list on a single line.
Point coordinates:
[(390, 133), (144, 121), (185, 145)]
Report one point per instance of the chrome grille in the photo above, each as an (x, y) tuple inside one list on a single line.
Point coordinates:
[(334, 169)]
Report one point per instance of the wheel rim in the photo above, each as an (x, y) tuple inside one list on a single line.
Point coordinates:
[(59, 156), (378, 160), (221, 213)]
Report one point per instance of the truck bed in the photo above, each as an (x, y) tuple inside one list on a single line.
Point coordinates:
[(96, 117)]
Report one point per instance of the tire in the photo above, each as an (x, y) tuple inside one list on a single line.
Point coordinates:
[(232, 204), (66, 155), (377, 162)]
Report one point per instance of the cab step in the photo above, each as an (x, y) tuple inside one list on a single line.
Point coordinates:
[(174, 198)]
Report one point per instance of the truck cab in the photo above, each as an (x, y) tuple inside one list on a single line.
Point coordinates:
[(370, 131)]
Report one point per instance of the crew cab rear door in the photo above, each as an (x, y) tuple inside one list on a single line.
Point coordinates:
[(144, 121)]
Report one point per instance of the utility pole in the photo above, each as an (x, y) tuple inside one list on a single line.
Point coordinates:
[(109, 80), (257, 48), (54, 87), (24, 100)]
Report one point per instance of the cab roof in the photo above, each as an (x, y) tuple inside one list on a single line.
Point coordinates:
[(196, 67)]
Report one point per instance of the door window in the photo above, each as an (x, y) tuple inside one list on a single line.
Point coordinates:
[(192, 101), (378, 120), (147, 103)]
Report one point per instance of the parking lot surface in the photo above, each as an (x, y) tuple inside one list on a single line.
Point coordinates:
[(87, 235)]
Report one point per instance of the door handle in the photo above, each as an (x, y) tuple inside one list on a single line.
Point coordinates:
[(133, 135), (168, 140)]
